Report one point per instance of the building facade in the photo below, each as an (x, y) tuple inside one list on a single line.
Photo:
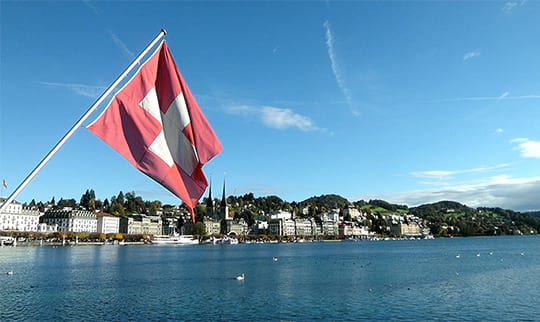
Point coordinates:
[(141, 224), (71, 220), (405, 229), (17, 217), (107, 223), (212, 226)]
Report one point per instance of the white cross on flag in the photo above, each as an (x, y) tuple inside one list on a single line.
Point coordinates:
[(156, 124)]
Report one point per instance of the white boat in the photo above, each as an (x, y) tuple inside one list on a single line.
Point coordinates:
[(7, 241), (174, 240), (225, 241)]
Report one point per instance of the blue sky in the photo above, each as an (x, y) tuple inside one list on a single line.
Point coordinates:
[(411, 102)]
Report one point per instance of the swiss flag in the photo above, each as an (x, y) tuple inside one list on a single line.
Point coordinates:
[(156, 124)]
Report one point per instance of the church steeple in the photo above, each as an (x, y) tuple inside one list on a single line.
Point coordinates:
[(224, 209), (210, 210)]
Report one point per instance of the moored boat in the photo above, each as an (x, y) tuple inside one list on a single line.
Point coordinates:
[(7, 241), (225, 241), (175, 239)]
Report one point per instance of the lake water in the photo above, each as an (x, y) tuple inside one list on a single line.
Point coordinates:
[(488, 279)]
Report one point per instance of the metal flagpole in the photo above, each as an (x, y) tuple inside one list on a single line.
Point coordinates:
[(83, 118)]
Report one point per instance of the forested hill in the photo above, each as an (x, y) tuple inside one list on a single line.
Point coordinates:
[(449, 217), (326, 201), (466, 221)]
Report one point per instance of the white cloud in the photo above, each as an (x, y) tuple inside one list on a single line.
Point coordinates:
[(503, 96), (120, 44), (527, 148), (499, 131), (80, 89), (520, 194), (92, 7), (334, 64), (276, 118), (280, 118), (448, 174), (471, 54), (509, 6)]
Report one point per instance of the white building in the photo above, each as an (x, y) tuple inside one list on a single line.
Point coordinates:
[(71, 220), (349, 229), (212, 226), (280, 214), (44, 228), (304, 226), (17, 217), (282, 227), (141, 224), (352, 211), (260, 227), (331, 216), (107, 223), (329, 228)]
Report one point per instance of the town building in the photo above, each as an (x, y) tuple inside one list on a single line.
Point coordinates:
[(352, 212), (44, 228), (141, 224), (212, 226), (169, 225), (71, 220), (260, 227), (17, 217), (236, 227), (282, 227), (107, 223), (350, 229), (329, 228), (304, 226), (410, 229), (280, 214)]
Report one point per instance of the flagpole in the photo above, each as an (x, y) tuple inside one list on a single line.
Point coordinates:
[(83, 118)]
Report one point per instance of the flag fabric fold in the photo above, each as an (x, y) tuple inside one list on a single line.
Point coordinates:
[(156, 124)]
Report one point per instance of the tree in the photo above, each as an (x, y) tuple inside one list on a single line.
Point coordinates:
[(117, 208), (106, 205), (88, 200), (199, 229), (66, 203), (200, 211), (120, 198), (152, 207)]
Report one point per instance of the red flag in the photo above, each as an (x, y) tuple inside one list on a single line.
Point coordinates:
[(156, 124)]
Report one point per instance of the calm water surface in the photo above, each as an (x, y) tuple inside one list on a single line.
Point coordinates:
[(494, 279)]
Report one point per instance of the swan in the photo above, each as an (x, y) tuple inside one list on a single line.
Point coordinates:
[(240, 277)]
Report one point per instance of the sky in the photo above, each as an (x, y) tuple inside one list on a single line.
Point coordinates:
[(411, 102)]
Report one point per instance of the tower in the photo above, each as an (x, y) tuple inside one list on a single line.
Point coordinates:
[(223, 208), (210, 210)]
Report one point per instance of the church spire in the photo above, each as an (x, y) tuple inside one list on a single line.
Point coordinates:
[(210, 210), (224, 209)]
